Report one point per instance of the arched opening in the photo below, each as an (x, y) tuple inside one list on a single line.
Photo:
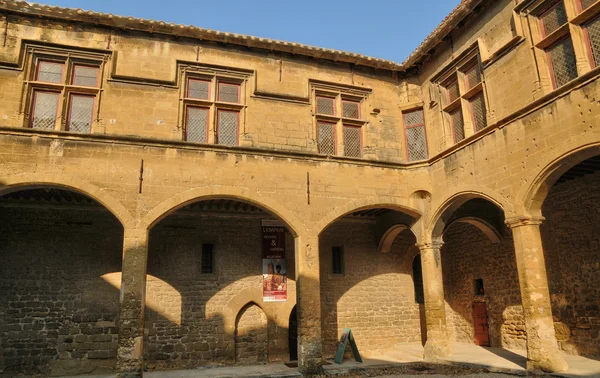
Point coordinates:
[(58, 313), (219, 253), (571, 242), (367, 288), (251, 335), (478, 247), (293, 335)]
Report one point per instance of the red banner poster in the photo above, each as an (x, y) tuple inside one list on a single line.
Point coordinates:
[(274, 280)]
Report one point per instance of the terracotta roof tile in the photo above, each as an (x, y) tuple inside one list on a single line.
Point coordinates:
[(154, 26)]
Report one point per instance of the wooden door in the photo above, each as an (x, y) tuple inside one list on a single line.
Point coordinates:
[(482, 335)]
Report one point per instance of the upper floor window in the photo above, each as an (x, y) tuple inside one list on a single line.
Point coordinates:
[(463, 99), (567, 38), (416, 137), (212, 116), (63, 93), (339, 114)]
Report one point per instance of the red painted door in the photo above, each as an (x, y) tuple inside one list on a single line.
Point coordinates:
[(482, 336)]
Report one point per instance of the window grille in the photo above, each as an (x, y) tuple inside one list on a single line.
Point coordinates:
[(227, 127), (208, 265), (43, 114), (196, 127), (479, 113), (85, 76), (50, 72), (458, 126), (81, 113), (562, 59), (337, 260), (593, 32), (352, 141), (586, 3), (229, 92), (416, 139), (199, 89), (325, 105), (453, 91), (554, 18), (326, 137), (350, 109), (473, 76)]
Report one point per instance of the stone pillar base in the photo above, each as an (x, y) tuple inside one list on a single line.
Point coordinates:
[(436, 349), (547, 359)]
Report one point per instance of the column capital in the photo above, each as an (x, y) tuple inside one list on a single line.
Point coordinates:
[(437, 244), (524, 220)]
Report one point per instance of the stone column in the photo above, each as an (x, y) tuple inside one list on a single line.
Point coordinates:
[(133, 292), (437, 344), (308, 308), (542, 348)]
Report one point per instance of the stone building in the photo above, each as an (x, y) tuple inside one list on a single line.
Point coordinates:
[(450, 198)]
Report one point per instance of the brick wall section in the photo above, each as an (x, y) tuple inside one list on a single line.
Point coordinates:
[(251, 336), (468, 255), (375, 296), (571, 238), (56, 311), (179, 333)]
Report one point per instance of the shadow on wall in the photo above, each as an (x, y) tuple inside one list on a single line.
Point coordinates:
[(57, 315), (374, 292), (203, 317), (571, 240), (469, 255)]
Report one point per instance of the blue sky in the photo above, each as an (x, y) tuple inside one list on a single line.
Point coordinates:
[(388, 29)]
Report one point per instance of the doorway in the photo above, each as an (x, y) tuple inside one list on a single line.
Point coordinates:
[(293, 335), (480, 323)]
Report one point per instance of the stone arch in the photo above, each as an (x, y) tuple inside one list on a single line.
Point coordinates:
[(159, 212), (251, 335), (452, 202), (554, 166), (395, 203), (236, 304), (482, 225), (29, 181)]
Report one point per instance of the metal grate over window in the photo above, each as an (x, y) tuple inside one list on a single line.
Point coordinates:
[(458, 125), (208, 261), (352, 141), (199, 89), (81, 113), (326, 138), (562, 59), (85, 76), (350, 109), (452, 90), (554, 18), (478, 109), (473, 76), (43, 114), (229, 92), (593, 31), (416, 139), (50, 72), (586, 3), (227, 128), (337, 260), (325, 105), (196, 126)]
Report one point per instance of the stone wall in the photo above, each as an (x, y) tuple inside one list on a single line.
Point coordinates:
[(188, 312), (58, 311), (571, 237), (466, 256), (375, 295), (251, 336)]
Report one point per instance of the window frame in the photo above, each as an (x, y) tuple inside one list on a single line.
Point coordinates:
[(350, 101), (335, 137), (342, 265), (189, 87), (70, 109), (333, 101), (360, 139), (547, 9), (75, 65), (44, 60), (588, 41), (186, 123), (406, 127), (231, 84), (237, 136), (33, 102), (213, 269)]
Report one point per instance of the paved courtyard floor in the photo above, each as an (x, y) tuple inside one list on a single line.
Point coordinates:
[(405, 360)]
